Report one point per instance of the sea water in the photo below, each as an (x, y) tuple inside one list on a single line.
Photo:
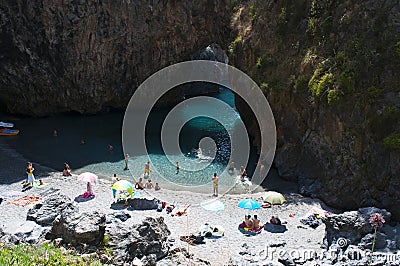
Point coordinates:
[(84, 141)]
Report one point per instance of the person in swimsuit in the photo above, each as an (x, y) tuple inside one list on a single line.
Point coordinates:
[(215, 184), (29, 172), (147, 169)]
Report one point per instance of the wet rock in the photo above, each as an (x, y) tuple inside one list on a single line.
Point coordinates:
[(45, 212), (79, 228)]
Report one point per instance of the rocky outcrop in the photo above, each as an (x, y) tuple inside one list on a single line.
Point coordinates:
[(45, 213), (86, 56), (328, 71), (146, 241), (351, 226), (79, 228)]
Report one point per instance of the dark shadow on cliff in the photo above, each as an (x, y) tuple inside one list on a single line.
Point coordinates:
[(276, 183)]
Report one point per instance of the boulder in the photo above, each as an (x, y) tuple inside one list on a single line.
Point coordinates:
[(351, 226), (79, 228), (380, 241), (146, 241), (45, 212)]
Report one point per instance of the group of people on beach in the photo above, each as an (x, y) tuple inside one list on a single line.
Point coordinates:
[(252, 223), (149, 184)]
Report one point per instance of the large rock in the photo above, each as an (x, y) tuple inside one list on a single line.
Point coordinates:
[(45, 212), (86, 56), (351, 226), (79, 228), (146, 241)]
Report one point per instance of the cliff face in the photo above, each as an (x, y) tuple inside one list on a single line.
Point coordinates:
[(330, 72), (84, 56)]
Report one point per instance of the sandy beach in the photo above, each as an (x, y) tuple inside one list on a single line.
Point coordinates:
[(216, 251)]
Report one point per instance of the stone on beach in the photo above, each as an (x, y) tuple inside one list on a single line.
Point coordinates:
[(45, 213)]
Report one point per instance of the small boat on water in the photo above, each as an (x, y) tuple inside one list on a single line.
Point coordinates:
[(8, 132)]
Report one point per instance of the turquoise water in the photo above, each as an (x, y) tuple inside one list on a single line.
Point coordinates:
[(37, 143)]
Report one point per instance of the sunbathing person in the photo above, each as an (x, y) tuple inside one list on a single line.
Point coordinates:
[(256, 222), (139, 184), (247, 222), (149, 184), (275, 220), (67, 170), (181, 211)]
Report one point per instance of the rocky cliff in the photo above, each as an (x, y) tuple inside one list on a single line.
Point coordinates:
[(85, 56), (329, 69), (330, 72)]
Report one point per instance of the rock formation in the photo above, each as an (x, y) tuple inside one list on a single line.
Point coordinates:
[(329, 70), (329, 73), (46, 212), (86, 56)]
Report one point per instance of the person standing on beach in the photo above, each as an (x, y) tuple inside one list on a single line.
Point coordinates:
[(215, 184), (147, 169), (126, 162), (231, 168), (29, 172), (177, 168)]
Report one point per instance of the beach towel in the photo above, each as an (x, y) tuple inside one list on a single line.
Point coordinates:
[(250, 231), (25, 201)]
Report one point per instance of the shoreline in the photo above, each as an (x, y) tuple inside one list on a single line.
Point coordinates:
[(217, 251), (233, 248)]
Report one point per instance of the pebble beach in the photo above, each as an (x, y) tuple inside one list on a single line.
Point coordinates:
[(218, 251)]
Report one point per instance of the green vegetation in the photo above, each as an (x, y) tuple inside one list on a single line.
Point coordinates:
[(252, 13), (282, 21), (233, 45), (320, 83), (334, 96), (346, 80), (259, 62), (311, 26), (301, 83), (265, 60), (264, 87), (392, 141), (44, 254)]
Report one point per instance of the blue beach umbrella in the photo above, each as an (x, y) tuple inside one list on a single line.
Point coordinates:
[(249, 204), (212, 205)]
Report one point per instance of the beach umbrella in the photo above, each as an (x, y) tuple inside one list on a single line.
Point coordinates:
[(212, 205), (273, 197), (123, 185), (249, 204), (87, 177)]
